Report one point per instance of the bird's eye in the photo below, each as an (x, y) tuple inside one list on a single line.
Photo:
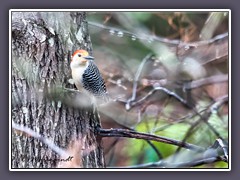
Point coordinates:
[(79, 55)]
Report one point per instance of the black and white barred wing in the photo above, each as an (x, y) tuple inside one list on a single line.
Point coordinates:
[(94, 83)]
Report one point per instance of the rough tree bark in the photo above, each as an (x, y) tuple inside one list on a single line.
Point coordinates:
[(41, 46)]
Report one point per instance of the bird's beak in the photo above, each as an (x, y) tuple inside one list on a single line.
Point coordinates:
[(88, 57)]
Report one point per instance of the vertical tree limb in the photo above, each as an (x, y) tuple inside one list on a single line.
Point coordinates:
[(41, 43)]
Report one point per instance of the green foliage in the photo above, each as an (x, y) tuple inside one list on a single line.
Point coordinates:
[(204, 136), (140, 148), (220, 124), (219, 164)]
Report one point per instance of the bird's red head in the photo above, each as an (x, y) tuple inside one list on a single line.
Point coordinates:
[(82, 56), (81, 52)]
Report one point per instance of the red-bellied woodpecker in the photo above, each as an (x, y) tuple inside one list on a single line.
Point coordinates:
[(86, 75)]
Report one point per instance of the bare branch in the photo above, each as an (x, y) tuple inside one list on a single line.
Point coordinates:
[(161, 39), (190, 85), (222, 144), (206, 81), (148, 141), (146, 136), (164, 164), (38, 136)]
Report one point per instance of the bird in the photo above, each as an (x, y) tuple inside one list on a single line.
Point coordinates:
[(86, 76)]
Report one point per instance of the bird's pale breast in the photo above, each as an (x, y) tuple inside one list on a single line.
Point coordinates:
[(77, 74)]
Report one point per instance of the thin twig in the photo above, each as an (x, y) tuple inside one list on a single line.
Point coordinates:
[(146, 37), (214, 107), (219, 102), (111, 146), (176, 121), (224, 147), (148, 141), (137, 76), (164, 164), (192, 84), (136, 80), (38, 136), (202, 117), (155, 149), (159, 89), (112, 157), (146, 136), (189, 132)]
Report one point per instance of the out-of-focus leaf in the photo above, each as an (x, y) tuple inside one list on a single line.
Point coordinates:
[(214, 165), (220, 125), (213, 21), (221, 165), (140, 16), (138, 148)]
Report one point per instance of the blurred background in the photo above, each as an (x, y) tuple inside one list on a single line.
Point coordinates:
[(138, 53)]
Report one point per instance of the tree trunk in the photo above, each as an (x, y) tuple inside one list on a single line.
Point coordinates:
[(41, 46)]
